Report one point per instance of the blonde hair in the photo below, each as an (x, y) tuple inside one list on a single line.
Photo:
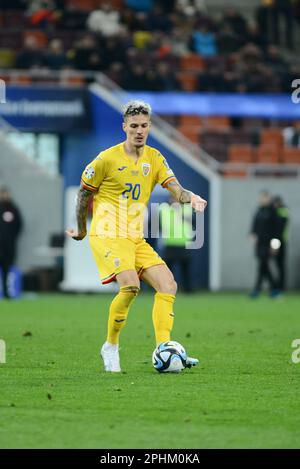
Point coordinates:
[(136, 107)]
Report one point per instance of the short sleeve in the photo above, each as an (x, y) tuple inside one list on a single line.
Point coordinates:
[(93, 174), (164, 172)]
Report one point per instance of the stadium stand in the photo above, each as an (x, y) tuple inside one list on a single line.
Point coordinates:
[(175, 45)]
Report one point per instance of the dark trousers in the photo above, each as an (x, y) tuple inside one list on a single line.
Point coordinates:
[(286, 14), (176, 255), (263, 268), (270, 19), (7, 257)]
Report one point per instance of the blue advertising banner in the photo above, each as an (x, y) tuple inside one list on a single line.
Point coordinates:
[(275, 106), (46, 109)]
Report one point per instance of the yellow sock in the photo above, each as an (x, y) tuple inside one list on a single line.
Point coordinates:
[(163, 316), (118, 312)]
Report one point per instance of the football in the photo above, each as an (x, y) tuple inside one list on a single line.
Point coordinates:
[(169, 357)]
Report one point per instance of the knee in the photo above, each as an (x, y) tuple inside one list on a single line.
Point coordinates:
[(170, 286)]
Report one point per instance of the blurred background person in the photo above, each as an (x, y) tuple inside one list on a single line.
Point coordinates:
[(10, 228), (281, 234), (176, 229), (262, 232), (292, 135)]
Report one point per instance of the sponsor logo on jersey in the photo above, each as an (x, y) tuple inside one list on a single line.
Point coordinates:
[(134, 173), (89, 173), (146, 169), (122, 167), (117, 262)]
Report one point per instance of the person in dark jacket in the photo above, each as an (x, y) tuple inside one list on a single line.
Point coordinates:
[(262, 232), (10, 228), (280, 240)]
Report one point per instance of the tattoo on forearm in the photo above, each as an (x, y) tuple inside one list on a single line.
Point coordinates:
[(182, 195), (83, 198)]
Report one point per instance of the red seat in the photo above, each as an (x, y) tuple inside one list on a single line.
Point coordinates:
[(192, 62), (216, 122), (272, 136), (291, 155), (187, 119), (190, 132), (188, 80), (268, 153), (240, 153)]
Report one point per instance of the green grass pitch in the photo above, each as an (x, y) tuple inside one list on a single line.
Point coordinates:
[(244, 394)]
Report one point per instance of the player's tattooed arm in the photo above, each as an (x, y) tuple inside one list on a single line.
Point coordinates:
[(179, 193), (83, 198), (185, 196)]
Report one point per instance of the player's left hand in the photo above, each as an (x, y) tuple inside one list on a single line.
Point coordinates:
[(198, 203)]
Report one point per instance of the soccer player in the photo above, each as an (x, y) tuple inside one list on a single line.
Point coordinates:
[(120, 180)]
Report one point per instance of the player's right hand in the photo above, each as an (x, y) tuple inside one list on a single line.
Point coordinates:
[(75, 235)]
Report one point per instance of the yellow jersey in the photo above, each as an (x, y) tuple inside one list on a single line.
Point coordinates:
[(122, 188)]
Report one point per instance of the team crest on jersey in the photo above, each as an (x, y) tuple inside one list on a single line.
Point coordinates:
[(146, 169), (89, 173)]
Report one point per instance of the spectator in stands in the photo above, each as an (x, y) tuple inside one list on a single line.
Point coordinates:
[(269, 16), (72, 18), (115, 72), (262, 232), (140, 5), (179, 42), (113, 49), (275, 61), (141, 34), (152, 81), (204, 42), (281, 234), (56, 58), (158, 21), (176, 230), (104, 20), (212, 80), (283, 9), (292, 135), (31, 56), (166, 77), (255, 36), (83, 50), (10, 228), (135, 78), (191, 7), (227, 40), (235, 21), (162, 47), (43, 13), (151, 31)]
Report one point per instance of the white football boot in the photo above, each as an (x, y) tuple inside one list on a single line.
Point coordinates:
[(110, 356), (191, 362)]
